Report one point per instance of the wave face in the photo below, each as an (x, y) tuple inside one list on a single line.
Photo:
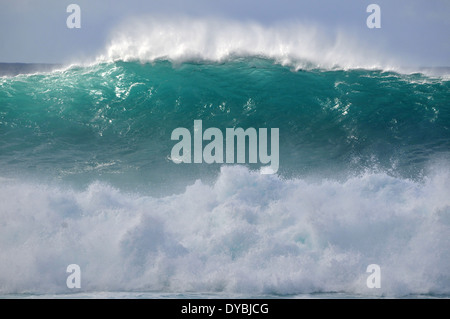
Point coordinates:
[(87, 179), (114, 121)]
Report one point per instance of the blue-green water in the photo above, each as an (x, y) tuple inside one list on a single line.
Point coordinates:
[(114, 121), (86, 177)]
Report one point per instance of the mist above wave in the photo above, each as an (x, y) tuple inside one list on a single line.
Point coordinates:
[(187, 39)]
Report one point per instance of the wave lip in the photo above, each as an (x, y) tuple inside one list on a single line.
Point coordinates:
[(185, 39)]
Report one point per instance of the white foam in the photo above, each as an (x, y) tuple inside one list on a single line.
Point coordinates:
[(181, 39), (247, 233)]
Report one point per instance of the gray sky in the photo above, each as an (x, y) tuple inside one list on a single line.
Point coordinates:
[(418, 31)]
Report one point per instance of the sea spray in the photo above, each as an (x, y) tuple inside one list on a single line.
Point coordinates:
[(247, 234)]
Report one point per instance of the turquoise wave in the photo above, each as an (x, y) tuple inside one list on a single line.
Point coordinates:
[(113, 121), (363, 179)]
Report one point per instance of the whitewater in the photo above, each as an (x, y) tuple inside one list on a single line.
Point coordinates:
[(86, 176)]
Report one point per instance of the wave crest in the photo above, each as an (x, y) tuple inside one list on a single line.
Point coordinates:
[(187, 39)]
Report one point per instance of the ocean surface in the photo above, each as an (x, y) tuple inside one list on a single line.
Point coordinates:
[(86, 178)]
